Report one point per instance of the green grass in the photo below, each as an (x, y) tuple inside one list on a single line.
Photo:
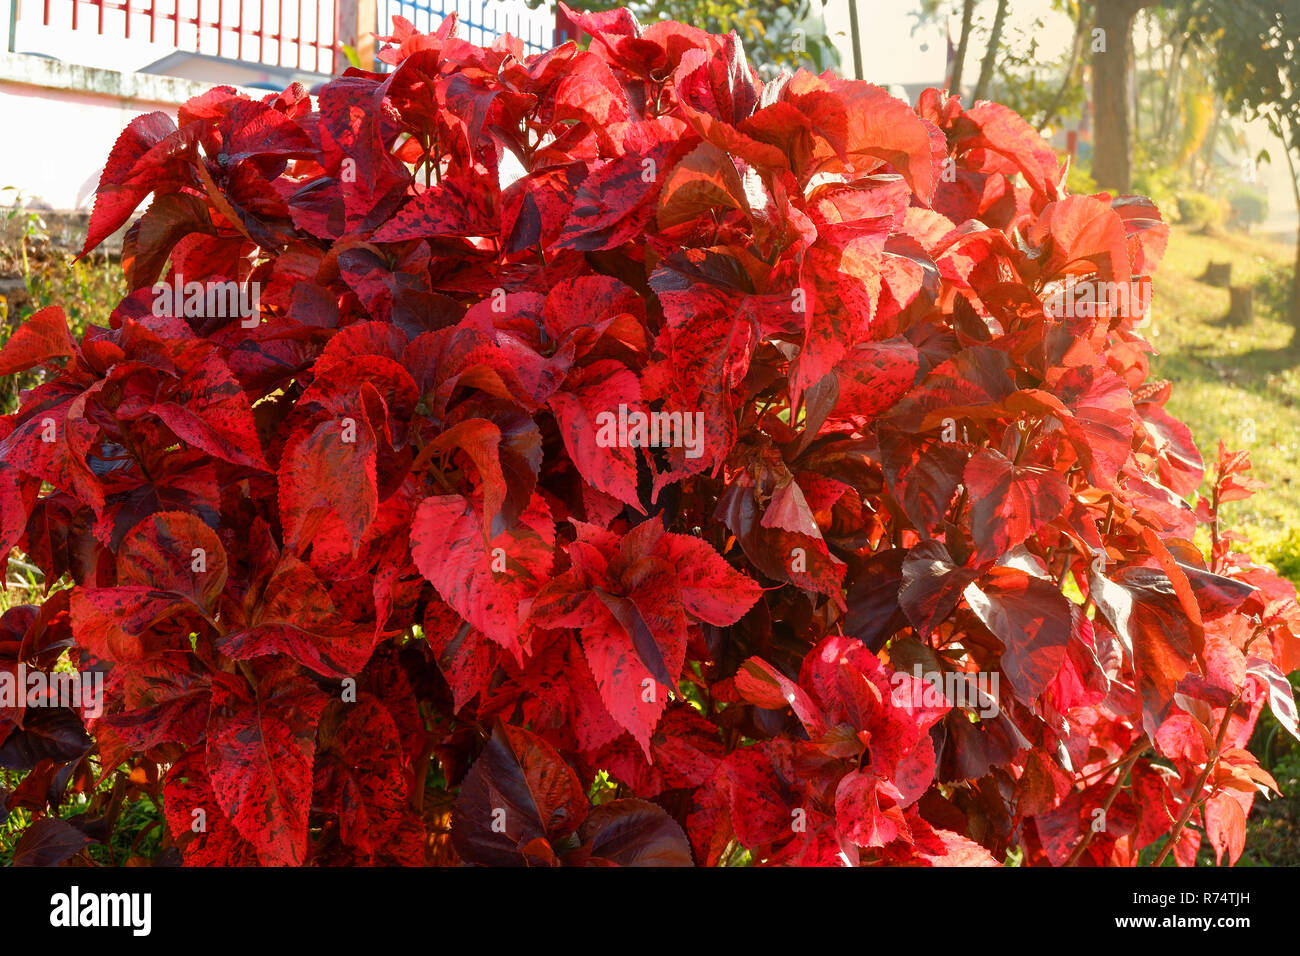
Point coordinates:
[(1242, 385), (1238, 384)]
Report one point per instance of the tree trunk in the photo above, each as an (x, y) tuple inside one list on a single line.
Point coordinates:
[(1207, 148), (1071, 67), (1218, 274), (991, 54), (1241, 306), (967, 14), (1111, 69), (1295, 293), (1173, 84), (1288, 142)]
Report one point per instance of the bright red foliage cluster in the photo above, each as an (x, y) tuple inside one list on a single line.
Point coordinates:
[(371, 559)]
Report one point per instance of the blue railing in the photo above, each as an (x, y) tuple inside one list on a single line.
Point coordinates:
[(480, 21)]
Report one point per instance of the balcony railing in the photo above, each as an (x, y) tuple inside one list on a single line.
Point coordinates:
[(294, 35)]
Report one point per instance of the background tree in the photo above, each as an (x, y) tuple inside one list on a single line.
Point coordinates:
[(1258, 75), (1069, 88), (991, 52), (775, 33), (1112, 68), (963, 42)]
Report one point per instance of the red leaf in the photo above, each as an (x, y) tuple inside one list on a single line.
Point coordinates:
[(1225, 825), (635, 832), (197, 823), (589, 410), (297, 617), (489, 586), (42, 337), (126, 177), (49, 842), (519, 791), (1143, 609), (1009, 501), (261, 747), (1032, 620), (329, 471)]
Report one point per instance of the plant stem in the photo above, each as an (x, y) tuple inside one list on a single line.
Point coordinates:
[(1192, 802), (1124, 764)]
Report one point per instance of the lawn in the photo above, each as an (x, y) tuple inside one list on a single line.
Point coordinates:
[(1242, 385), (1237, 384)]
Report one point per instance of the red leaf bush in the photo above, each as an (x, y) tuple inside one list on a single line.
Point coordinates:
[(619, 460)]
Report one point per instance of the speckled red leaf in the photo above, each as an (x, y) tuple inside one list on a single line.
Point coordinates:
[(465, 656), (589, 410), (174, 551), (197, 824), (210, 411), (873, 376), (41, 338), (296, 616), (329, 471), (447, 545), (360, 775), (867, 811), (116, 624), (451, 208), (127, 176), (634, 697), (1010, 501), (711, 589), (165, 700), (261, 748), (616, 202)]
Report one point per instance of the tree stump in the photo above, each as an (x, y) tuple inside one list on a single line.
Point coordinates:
[(1241, 305), (1218, 274)]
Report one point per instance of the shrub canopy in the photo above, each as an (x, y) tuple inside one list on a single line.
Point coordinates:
[(603, 456)]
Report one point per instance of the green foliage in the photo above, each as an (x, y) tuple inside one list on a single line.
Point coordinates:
[(1241, 386), (1257, 55), (1249, 204), (88, 289), (1273, 292), (1285, 555), (1162, 184), (1201, 211), (775, 33), (1079, 180)]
